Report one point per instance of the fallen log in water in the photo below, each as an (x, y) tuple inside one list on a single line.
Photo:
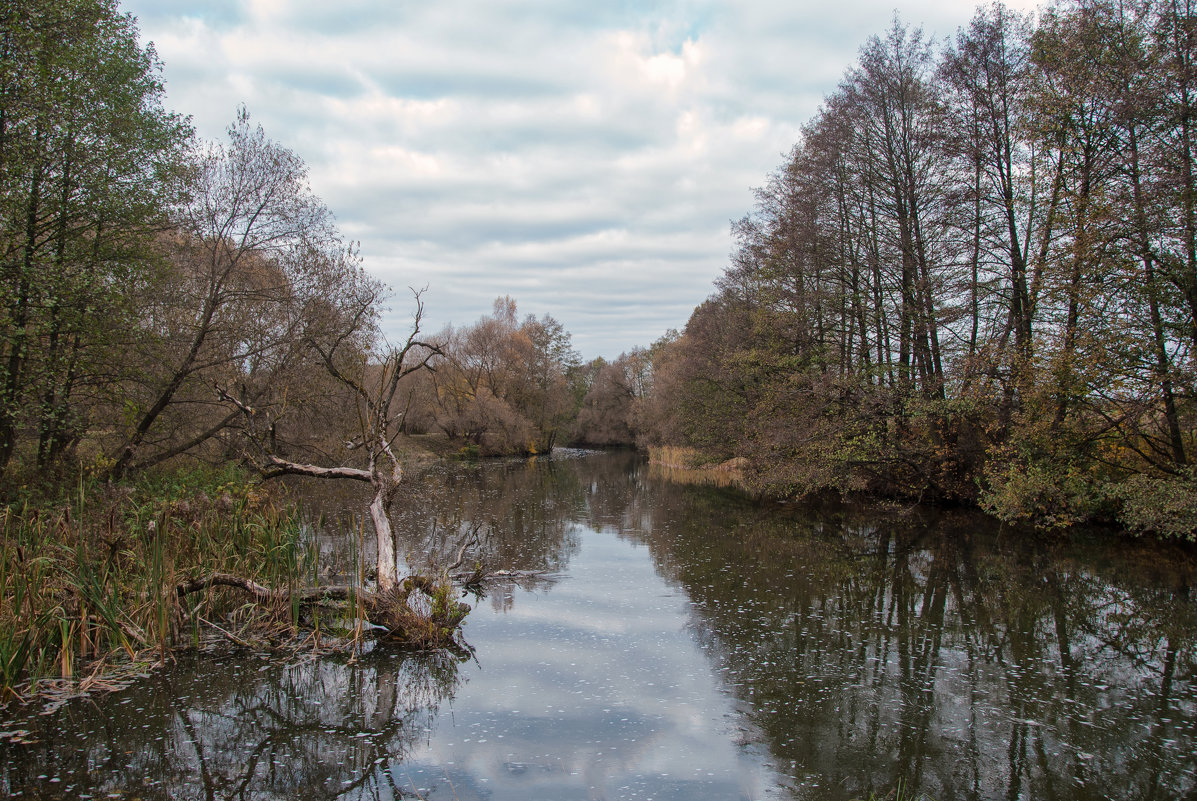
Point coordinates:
[(420, 610)]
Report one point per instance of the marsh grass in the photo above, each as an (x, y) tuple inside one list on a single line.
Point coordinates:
[(89, 573), (688, 466)]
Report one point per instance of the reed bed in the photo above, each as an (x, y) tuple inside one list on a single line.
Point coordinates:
[(688, 466), (676, 457), (88, 576)]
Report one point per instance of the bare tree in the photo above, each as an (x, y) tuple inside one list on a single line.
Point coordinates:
[(375, 391), (254, 267)]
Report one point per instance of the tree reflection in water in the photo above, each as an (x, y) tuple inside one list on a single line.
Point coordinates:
[(858, 648), (237, 726), (524, 510), (934, 649), (868, 646)]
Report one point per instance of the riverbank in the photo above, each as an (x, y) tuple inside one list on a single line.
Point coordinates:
[(685, 642), (1163, 508), (88, 572), (101, 580)]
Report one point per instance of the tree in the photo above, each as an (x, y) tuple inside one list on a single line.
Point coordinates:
[(506, 386), (608, 409), (374, 392), (899, 118), (89, 161), (989, 77), (254, 274)]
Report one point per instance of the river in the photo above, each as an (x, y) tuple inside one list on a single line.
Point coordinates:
[(685, 643)]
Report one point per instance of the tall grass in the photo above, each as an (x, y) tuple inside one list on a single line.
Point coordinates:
[(91, 572), (676, 457), (689, 466)]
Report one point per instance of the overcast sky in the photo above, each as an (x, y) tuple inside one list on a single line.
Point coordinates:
[(583, 156)]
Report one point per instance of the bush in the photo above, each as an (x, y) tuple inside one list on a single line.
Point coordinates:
[(1162, 505), (1042, 494)]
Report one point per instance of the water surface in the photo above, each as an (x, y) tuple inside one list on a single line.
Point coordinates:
[(688, 644)]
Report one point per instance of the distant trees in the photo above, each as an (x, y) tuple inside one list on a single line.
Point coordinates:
[(505, 385), (972, 278), (609, 410)]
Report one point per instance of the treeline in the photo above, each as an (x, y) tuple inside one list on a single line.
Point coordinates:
[(500, 386), (147, 277), (974, 278), (173, 311), (166, 297)]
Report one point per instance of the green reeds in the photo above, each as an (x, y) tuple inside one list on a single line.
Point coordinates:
[(92, 572)]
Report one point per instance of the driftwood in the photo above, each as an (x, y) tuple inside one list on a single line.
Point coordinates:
[(343, 592), (480, 577), (432, 622), (265, 594)]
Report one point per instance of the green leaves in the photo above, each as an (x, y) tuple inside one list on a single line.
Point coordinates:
[(89, 161)]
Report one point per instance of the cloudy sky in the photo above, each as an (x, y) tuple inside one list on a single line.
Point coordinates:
[(583, 156)]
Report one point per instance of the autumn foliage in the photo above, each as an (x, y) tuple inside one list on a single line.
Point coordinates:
[(973, 279)]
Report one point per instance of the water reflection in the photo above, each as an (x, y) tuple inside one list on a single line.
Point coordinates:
[(871, 647), (524, 511), (929, 649), (690, 644), (239, 726)]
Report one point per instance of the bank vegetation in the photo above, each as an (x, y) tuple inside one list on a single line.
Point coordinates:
[(173, 309), (972, 280)]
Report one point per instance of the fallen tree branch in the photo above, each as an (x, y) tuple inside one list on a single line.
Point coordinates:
[(421, 624), (281, 467), (305, 595)]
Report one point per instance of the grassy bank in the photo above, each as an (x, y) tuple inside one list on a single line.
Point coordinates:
[(88, 572), (1161, 506)]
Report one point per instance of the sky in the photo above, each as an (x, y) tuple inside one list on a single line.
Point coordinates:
[(585, 157)]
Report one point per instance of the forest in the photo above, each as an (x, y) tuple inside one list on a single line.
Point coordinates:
[(973, 280)]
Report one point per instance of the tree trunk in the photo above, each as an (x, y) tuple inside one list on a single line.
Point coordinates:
[(384, 536), (1162, 362)]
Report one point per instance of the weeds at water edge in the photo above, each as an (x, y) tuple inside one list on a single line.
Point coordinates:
[(90, 574)]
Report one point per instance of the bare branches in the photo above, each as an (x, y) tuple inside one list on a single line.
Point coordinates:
[(260, 291)]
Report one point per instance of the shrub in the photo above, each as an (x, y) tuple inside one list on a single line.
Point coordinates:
[(1162, 505)]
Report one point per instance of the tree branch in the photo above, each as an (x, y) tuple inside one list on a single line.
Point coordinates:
[(281, 467)]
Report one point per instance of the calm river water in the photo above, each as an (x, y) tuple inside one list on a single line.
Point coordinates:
[(687, 644)]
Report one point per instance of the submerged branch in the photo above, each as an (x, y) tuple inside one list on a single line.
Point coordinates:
[(306, 595), (420, 610), (372, 602)]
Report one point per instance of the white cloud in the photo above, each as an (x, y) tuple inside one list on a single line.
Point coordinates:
[(585, 158)]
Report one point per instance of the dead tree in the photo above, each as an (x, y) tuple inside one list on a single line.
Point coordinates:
[(379, 427)]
